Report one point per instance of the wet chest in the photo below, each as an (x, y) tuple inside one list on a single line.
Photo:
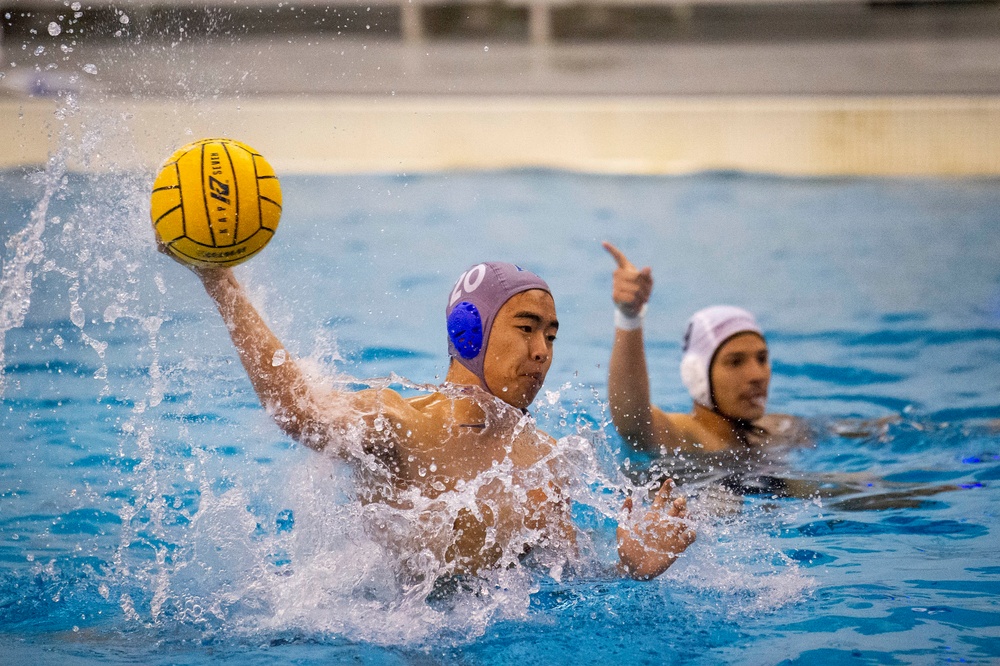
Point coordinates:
[(441, 461)]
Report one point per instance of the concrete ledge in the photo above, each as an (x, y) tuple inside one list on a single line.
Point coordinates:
[(813, 136)]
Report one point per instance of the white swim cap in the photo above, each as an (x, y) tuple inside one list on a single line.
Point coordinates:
[(706, 331)]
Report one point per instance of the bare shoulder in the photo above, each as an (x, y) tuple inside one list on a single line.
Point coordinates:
[(386, 403), (426, 416), (785, 429), (394, 424), (672, 430)]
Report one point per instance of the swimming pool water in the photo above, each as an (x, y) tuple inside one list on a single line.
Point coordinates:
[(151, 513)]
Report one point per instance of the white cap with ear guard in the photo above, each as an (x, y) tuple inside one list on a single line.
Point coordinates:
[(706, 331)]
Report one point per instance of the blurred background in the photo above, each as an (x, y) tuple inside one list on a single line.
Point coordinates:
[(600, 46), (643, 86)]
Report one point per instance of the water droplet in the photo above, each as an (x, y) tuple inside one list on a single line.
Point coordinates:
[(77, 316), (54, 29), (279, 358), (75, 6), (99, 346), (90, 68), (123, 19), (486, 48), (39, 50)]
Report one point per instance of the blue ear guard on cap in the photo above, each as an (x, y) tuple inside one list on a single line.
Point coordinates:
[(465, 328)]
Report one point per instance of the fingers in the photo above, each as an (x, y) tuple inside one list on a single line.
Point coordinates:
[(206, 274), (623, 262), (631, 287), (687, 536), (618, 256), (676, 506), (678, 509), (676, 530), (663, 494), (161, 247)]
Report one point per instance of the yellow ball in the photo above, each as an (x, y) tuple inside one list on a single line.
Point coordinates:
[(215, 202)]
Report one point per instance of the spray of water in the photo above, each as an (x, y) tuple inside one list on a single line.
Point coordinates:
[(28, 250), (214, 541), (208, 543)]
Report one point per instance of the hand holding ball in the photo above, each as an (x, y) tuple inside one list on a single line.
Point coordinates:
[(215, 202)]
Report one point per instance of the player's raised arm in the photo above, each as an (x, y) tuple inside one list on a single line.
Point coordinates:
[(302, 411), (230, 187), (628, 378)]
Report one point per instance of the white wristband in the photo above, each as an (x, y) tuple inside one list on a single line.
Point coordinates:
[(624, 322)]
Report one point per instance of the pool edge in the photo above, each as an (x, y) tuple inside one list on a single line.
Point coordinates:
[(794, 135)]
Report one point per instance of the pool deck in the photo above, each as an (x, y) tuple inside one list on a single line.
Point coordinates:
[(923, 101)]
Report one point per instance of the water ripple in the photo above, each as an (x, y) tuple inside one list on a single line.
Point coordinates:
[(952, 529)]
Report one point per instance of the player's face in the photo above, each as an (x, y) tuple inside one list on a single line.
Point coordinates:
[(519, 351), (741, 373)]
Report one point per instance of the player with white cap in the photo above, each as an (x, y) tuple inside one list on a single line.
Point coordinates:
[(725, 367)]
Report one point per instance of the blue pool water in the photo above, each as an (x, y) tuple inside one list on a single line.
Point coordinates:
[(150, 512)]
